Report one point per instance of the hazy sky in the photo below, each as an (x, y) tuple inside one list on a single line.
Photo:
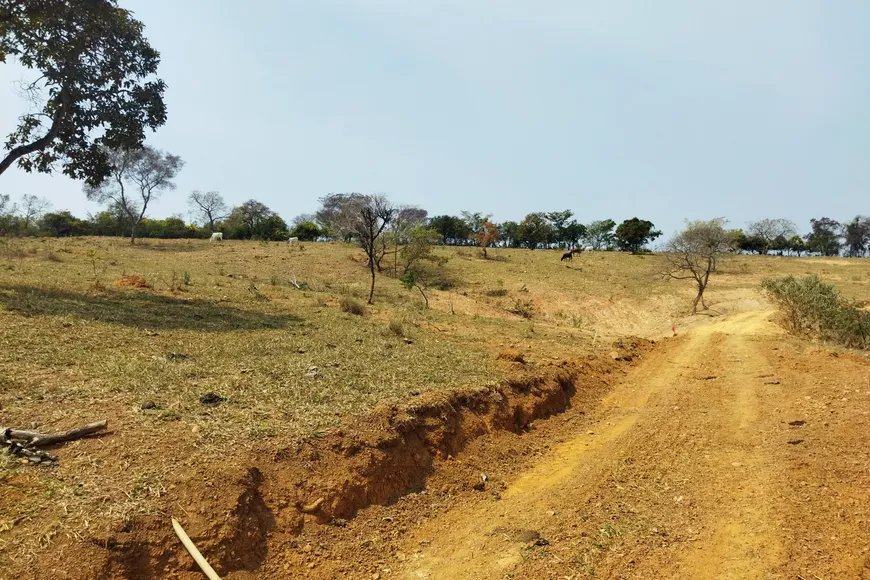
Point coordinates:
[(665, 110)]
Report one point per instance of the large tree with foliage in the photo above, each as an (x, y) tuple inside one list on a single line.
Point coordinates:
[(599, 234), (138, 177), (567, 232), (453, 229), (634, 234), (95, 90), (857, 236), (534, 231), (824, 237), (306, 231), (254, 219), (509, 232)]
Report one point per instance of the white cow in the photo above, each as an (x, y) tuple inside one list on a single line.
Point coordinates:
[(217, 237), (292, 241)]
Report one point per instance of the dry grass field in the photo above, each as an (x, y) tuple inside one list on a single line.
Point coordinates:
[(94, 328)]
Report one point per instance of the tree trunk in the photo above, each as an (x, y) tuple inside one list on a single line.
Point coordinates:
[(372, 291), (133, 232)]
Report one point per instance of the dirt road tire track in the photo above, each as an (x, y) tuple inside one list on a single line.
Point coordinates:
[(687, 471)]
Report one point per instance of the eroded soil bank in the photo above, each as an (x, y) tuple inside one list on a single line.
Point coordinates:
[(307, 510)]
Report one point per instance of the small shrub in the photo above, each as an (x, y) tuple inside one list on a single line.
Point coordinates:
[(812, 307), (497, 292), (397, 327), (187, 278), (352, 306), (523, 308)]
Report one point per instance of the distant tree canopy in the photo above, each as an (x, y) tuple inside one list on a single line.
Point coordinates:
[(632, 235), (535, 231), (453, 230), (824, 237), (95, 91), (857, 236), (306, 231), (146, 172), (599, 234), (254, 220), (765, 233)]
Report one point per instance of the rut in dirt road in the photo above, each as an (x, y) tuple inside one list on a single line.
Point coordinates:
[(683, 473)]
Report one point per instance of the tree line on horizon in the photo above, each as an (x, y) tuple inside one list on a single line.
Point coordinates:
[(125, 216)]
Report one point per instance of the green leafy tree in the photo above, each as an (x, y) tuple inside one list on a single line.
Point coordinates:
[(796, 245), (509, 231), (534, 231), (306, 231), (779, 244), (599, 234), (254, 219), (95, 92), (824, 237), (60, 224), (857, 236), (634, 234), (453, 230)]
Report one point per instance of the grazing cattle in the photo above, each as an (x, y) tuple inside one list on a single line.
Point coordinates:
[(292, 241), (217, 237), (570, 255)]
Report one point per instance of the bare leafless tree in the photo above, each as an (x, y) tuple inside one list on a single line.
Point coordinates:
[(208, 206), (374, 215), (31, 209), (138, 177), (692, 254), (6, 205)]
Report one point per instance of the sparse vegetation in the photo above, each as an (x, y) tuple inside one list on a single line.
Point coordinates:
[(352, 306), (812, 307)]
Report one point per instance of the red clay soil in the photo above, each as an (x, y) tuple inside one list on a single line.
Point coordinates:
[(269, 517)]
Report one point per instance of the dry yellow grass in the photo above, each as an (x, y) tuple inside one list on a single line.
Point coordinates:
[(225, 318)]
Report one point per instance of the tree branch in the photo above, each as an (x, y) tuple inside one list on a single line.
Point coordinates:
[(44, 141)]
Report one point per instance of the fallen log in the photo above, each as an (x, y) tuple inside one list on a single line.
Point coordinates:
[(33, 439), (25, 444)]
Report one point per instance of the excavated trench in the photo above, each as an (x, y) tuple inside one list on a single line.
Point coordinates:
[(236, 515)]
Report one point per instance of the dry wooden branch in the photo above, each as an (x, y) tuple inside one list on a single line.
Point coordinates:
[(24, 444), (194, 552), (32, 439)]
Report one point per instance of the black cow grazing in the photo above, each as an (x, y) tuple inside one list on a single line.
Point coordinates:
[(570, 255)]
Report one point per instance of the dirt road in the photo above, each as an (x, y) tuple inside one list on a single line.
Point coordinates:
[(732, 452)]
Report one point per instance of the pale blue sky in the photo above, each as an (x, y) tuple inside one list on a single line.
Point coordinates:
[(666, 110)]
